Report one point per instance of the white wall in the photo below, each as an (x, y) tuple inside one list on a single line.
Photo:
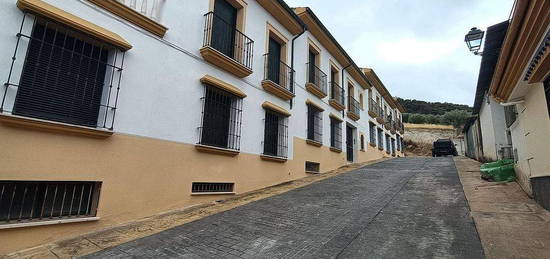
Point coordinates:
[(160, 89)]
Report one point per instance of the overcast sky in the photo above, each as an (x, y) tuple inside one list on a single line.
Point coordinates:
[(415, 46)]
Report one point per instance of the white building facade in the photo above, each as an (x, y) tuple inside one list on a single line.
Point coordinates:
[(132, 108)]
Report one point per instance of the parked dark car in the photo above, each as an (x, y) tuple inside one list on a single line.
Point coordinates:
[(444, 147)]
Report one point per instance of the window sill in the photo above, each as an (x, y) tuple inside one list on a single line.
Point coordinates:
[(372, 144), (312, 88), (336, 105), (373, 114), (277, 90), (312, 172), (273, 158), (132, 16), (212, 193), (224, 62), (48, 222), (337, 150), (353, 116), (381, 148), (314, 143), (216, 150), (51, 126)]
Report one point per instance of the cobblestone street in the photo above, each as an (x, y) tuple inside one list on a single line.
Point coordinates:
[(401, 208)]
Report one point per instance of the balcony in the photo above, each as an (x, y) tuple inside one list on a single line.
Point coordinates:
[(227, 47), (278, 78), (381, 117), (374, 108), (337, 97), (143, 13), (387, 122), (317, 81), (393, 126), (353, 109)]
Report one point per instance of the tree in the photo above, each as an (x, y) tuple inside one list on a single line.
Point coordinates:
[(457, 118), (417, 118), (433, 119), (406, 117)]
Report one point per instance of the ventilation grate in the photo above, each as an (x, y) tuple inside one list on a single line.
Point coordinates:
[(312, 167), (212, 187)]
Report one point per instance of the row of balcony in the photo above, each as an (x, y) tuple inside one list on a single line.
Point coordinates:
[(232, 50)]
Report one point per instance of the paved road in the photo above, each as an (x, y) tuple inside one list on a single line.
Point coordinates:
[(401, 208)]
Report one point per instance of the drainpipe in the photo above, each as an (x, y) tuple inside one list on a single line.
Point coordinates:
[(292, 62), (344, 87), (512, 103)]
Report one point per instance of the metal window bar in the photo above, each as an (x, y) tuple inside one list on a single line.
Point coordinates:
[(335, 133), (275, 134), (337, 93), (353, 105), (380, 138), (313, 167), (228, 40), (388, 143), (202, 187), (221, 119), (63, 75), (315, 124), (278, 72), (372, 133), (28, 201), (317, 77), (510, 115)]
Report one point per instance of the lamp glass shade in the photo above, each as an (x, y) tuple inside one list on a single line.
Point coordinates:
[(474, 39)]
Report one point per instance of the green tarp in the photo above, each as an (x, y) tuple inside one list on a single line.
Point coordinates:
[(500, 171)]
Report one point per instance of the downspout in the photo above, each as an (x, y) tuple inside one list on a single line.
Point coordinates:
[(344, 87), (292, 63)]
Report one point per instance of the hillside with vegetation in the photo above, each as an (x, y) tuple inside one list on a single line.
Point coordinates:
[(422, 112)]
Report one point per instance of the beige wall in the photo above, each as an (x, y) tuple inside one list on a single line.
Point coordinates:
[(531, 136), (140, 176)]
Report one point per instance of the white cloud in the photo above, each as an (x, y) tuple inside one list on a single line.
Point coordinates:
[(414, 50)]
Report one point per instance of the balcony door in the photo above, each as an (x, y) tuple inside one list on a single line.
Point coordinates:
[(312, 57), (332, 87), (274, 61), (223, 28), (349, 143)]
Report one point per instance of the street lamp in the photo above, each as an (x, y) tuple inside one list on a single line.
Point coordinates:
[(473, 39)]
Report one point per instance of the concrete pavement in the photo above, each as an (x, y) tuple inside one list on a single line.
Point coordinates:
[(510, 224), (405, 207)]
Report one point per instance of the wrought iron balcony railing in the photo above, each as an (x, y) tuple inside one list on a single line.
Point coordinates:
[(374, 108), (278, 72), (337, 93), (149, 8), (353, 106), (317, 77), (225, 38)]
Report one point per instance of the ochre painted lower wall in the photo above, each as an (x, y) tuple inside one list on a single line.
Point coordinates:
[(140, 176)]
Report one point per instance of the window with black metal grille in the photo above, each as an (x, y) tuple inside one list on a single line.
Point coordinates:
[(275, 134), (335, 133), (26, 201), (221, 119), (66, 76), (314, 124)]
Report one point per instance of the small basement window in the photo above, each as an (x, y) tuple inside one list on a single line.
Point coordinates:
[(312, 167), (30, 201), (201, 187)]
